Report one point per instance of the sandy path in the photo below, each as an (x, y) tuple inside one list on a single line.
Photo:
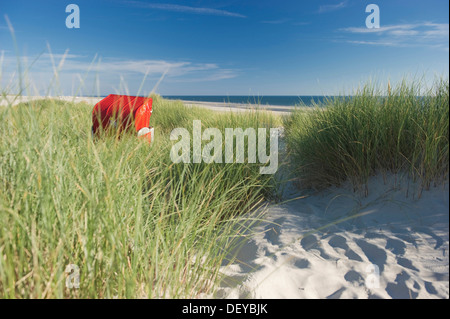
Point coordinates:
[(326, 246)]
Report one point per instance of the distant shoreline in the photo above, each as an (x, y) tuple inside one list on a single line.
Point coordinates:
[(240, 107), (271, 100), (215, 106)]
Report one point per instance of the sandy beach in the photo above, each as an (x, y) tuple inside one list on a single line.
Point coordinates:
[(215, 106), (337, 244), (238, 107)]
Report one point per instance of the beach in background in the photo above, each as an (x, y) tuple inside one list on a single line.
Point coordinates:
[(205, 102)]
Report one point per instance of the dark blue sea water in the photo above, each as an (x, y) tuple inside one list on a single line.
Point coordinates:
[(283, 100)]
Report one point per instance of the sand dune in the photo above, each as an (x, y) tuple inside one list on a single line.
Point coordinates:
[(337, 244), (326, 246), (215, 106)]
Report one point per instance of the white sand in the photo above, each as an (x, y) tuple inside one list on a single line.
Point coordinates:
[(314, 248), (239, 107), (215, 106)]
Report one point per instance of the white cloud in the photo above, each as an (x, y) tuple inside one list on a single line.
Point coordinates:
[(186, 9), (285, 21), (59, 56), (429, 29), (385, 43), (417, 34), (402, 33), (382, 29), (110, 71), (300, 23), (217, 75), (78, 63), (332, 7), (279, 21), (437, 30)]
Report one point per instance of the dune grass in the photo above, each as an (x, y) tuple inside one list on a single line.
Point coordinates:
[(134, 223), (353, 138), (138, 225)]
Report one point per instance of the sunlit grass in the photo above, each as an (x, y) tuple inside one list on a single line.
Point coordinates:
[(135, 224), (353, 138)]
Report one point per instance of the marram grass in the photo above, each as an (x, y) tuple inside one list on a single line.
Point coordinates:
[(139, 226), (136, 225), (353, 138)]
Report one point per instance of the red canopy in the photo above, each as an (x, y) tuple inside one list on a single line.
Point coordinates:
[(123, 111)]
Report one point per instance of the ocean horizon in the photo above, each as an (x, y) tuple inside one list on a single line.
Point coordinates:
[(275, 100), (282, 100)]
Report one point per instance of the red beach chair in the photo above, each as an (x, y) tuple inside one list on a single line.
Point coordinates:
[(121, 112)]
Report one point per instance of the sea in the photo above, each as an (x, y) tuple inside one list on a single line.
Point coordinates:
[(282, 100)]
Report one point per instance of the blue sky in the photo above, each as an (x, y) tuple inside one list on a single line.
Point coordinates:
[(232, 47)]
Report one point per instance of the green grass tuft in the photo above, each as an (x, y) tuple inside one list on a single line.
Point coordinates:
[(136, 224), (353, 138)]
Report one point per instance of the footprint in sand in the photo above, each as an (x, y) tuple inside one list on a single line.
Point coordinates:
[(430, 288), (273, 230), (302, 263), (427, 231), (406, 263), (338, 241), (375, 254), (370, 235), (408, 238), (337, 294), (399, 289), (396, 246), (311, 242), (355, 278)]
